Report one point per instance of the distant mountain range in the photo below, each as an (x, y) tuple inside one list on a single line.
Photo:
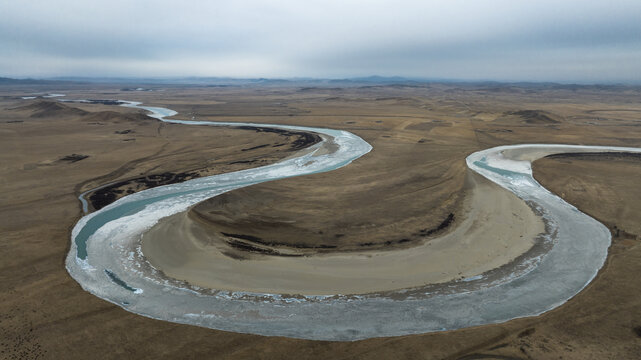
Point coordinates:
[(311, 82), (222, 81), (11, 81)]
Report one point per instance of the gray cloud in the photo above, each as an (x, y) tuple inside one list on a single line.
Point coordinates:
[(572, 40)]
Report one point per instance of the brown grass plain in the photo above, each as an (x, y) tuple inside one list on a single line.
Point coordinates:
[(411, 180)]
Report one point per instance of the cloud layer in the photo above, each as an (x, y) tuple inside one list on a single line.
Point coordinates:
[(567, 41)]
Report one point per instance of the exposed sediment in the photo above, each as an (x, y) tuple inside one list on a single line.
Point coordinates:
[(185, 248), (292, 141), (535, 285)]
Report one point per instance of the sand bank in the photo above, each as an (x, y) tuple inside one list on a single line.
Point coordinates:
[(498, 228), (113, 265)]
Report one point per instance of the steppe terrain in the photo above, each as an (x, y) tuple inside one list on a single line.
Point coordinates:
[(410, 188)]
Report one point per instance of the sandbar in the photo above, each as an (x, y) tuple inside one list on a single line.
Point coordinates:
[(498, 227)]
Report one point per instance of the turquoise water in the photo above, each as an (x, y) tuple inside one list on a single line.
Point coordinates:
[(506, 173), (580, 248), (133, 207), (121, 208), (119, 281)]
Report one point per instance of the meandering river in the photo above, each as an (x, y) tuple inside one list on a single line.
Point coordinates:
[(107, 260)]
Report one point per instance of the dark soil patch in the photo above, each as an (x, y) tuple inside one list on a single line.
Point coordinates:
[(535, 116), (242, 162), (74, 157), (243, 246), (597, 156), (303, 139), (260, 241), (442, 226), (526, 332), (106, 102), (428, 126), (255, 147), (105, 196)]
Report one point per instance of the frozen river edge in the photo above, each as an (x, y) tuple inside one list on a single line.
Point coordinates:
[(106, 260)]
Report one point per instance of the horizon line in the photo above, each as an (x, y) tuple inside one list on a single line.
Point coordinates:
[(256, 79)]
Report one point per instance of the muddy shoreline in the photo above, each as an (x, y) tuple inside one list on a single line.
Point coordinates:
[(46, 311), (258, 245), (106, 195)]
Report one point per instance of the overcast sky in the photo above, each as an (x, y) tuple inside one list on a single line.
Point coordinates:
[(508, 40)]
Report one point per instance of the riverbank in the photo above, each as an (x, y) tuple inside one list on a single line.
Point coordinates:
[(497, 228), (569, 234), (46, 312), (288, 143)]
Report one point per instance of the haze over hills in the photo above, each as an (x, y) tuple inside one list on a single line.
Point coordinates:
[(191, 80), (321, 82)]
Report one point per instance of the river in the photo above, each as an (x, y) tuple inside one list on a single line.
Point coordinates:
[(107, 260)]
